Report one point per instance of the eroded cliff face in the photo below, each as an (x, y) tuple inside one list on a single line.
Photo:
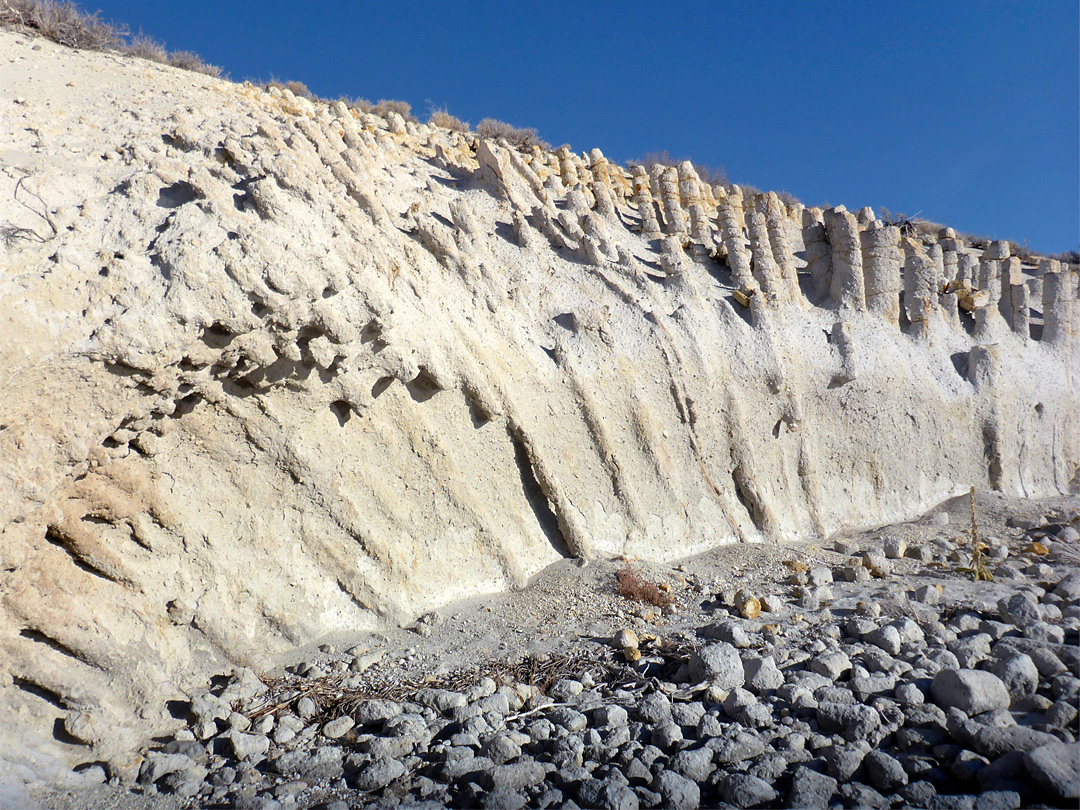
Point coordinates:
[(273, 371)]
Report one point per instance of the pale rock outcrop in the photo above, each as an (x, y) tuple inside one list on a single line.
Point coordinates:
[(766, 272), (882, 262), (701, 237), (674, 216), (783, 254), (735, 250), (274, 372), (921, 282), (846, 285), (989, 323), (689, 185), (818, 254), (643, 200)]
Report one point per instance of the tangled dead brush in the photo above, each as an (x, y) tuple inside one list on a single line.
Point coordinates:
[(631, 585)]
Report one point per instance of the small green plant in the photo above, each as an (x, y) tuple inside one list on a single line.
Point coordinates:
[(630, 585)]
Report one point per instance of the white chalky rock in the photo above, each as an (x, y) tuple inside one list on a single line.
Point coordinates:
[(283, 372)]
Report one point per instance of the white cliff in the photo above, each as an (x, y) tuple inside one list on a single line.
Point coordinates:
[(273, 370)]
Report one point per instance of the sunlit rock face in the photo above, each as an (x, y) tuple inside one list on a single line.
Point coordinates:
[(274, 370)]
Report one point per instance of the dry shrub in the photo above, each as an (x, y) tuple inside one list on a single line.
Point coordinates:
[(62, 22), (300, 90), (441, 118), (633, 587), (927, 228), (1069, 257), (402, 108), (523, 138), (1023, 252), (146, 47), (788, 199), (186, 60), (362, 105), (713, 175)]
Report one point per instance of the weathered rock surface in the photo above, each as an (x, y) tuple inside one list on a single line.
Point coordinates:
[(272, 371)]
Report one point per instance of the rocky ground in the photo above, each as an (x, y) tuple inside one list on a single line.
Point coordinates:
[(872, 670)]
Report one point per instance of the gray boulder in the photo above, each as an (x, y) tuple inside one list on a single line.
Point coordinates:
[(885, 772), (1018, 672), (677, 791), (743, 790), (719, 663), (810, 789), (379, 774), (972, 691), (855, 722), (1056, 768)]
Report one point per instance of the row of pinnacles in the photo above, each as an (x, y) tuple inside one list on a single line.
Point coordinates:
[(850, 262), (777, 254), (853, 263)]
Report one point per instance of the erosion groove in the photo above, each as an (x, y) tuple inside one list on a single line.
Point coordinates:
[(286, 370)]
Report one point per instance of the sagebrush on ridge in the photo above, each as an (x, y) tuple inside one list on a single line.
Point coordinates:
[(64, 23)]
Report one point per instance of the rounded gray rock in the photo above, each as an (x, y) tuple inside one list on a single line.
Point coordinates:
[(379, 774), (762, 674), (1054, 767), (885, 772), (972, 691), (743, 790), (1019, 609), (887, 638), (1018, 672), (719, 663), (677, 791)]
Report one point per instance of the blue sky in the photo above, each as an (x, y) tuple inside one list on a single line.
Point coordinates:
[(966, 111)]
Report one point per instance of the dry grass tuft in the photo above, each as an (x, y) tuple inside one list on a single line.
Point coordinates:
[(630, 585), (523, 138)]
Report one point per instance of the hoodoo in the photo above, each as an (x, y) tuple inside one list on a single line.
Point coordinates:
[(274, 370)]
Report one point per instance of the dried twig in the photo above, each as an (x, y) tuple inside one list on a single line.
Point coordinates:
[(978, 569), (9, 233)]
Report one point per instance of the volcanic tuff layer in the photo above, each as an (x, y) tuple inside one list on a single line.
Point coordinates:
[(274, 370)]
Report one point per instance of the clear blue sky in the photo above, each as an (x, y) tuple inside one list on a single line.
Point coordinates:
[(966, 111)]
